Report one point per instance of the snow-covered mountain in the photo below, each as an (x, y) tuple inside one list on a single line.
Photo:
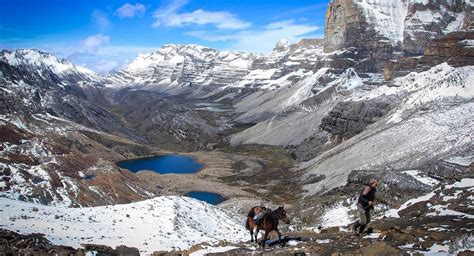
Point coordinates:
[(203, 72), (50, 118), (177, 69), (47, 66), (304, 88)]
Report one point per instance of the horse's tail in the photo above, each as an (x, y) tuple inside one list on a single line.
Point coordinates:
[(247, 224)]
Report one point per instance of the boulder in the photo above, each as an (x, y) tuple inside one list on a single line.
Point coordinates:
[(123, 250), (380, 248), (396, 234)]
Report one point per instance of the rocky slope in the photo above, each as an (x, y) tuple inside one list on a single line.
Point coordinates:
[(58, 143), (443, 226), (430, 121)]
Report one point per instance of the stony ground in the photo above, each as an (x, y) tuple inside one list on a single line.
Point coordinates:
[(438, 222)]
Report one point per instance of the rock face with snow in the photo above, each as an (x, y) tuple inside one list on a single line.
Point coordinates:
[(380, 30), (428, 20), (47, 67), (34, 82), (456, 48)]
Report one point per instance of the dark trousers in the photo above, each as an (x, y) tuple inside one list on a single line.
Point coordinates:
[(364, 218)]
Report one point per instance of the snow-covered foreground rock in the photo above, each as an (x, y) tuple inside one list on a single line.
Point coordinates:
[(162, 223)]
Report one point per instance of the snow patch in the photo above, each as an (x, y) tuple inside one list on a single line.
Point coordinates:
[(464, 183), (421, 177), (338, 216), (162, 223)]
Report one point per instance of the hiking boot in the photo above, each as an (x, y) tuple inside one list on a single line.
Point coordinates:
[(354, 228)]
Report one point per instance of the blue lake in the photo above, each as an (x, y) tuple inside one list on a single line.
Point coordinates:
[(209, 197), (163, 164)]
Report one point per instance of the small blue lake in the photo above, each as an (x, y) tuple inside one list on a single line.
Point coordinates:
[(208, 197), (163, 164)]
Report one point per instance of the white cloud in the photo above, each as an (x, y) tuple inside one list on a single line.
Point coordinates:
[(92, 43), (172, 7), (262, 40), (169, 16), (100, 19), (129, 11), (105, 58)]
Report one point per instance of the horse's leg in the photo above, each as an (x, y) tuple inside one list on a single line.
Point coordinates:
[(279, 236), (264, 239), (256, 235), (251, 235)]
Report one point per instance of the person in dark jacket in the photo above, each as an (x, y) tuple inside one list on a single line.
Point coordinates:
[(365, 204)]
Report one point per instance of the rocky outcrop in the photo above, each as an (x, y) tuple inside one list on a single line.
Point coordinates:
[(341, 17), (425, 22), (456, 48), (307, 43), (350, 118), (12, 243), (393, 181), (444, 169)]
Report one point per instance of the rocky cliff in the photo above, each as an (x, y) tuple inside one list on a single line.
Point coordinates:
[(347, 118), (456, 48), (377, 31)]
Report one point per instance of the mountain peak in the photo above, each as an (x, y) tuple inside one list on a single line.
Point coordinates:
[(39, 59), (282, 46), (43, 65)]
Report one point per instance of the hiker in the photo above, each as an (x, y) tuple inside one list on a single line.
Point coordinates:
[(365, 204)]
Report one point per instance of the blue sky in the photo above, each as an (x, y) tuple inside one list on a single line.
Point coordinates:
[(105, 35)]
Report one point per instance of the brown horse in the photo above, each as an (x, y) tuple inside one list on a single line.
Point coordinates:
[(268, 223)]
